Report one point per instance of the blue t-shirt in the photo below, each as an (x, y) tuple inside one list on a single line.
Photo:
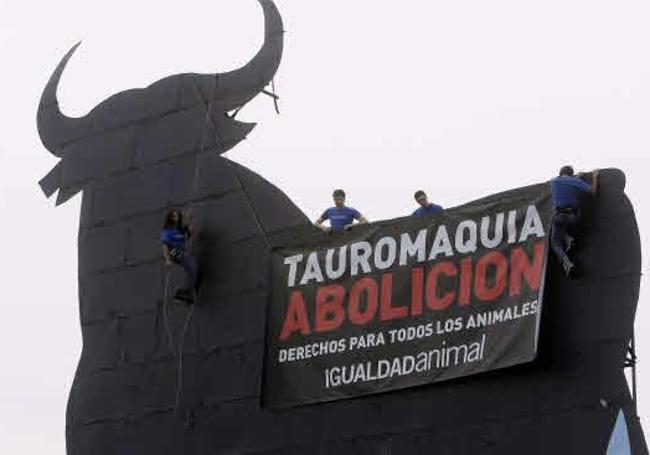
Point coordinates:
[(430, 209), (175, 239), (340, 217), (567, 191)]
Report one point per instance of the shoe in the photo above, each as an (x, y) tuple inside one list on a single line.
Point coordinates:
[(569, 267), (571, 244)]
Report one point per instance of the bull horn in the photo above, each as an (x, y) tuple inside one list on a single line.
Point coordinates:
[(243, 84), (54, 127)]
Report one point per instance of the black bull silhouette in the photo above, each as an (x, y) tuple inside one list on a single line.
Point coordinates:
[(142, 151), (133, 156)]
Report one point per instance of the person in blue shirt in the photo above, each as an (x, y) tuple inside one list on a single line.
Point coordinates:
[(176, 237), (568, 191), (426, 207), (340, 216)]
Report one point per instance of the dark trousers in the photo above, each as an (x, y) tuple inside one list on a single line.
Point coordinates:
[(192, 274), (563, 221)]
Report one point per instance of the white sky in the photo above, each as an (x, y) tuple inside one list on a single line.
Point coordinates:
[(461, 98)]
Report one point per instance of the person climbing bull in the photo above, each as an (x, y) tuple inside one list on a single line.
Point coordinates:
[(568, 191), (176, 237), (341, 217)]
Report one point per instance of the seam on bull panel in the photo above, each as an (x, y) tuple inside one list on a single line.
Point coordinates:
[(109, 318), (202, 351), (134, 263)]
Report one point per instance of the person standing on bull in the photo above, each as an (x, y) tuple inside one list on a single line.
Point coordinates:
[(340, 216), (568, 192), (176, 237), (426, 207)]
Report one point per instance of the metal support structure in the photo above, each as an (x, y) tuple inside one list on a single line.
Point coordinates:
[(630, 362)]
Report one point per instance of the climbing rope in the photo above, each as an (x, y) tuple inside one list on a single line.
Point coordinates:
[(165, 309), (274, 96), (179, 378), (188, 318), (207, 106)]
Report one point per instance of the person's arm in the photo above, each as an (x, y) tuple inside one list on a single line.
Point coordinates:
[(360, 220), (594, 182), (168, 257), (583, 186), (319, 222)]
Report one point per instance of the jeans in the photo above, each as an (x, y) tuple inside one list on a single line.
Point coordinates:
[(563, 220), (192, 274)]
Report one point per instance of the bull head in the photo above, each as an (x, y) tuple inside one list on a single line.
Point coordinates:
[(206, 100)]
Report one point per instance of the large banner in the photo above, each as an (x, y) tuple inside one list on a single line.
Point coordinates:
[(407, 302)]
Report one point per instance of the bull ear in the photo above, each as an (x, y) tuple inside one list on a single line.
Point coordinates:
[(52, 181), (54, 127)]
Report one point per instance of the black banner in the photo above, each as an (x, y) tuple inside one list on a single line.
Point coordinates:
[(408, 301)]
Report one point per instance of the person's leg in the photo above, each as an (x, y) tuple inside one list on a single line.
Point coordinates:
[(188, 262), (558, 235), (571, 220)]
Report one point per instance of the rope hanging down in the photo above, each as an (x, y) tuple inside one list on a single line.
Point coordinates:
[(207, 106), (188, 318), (170, 340)]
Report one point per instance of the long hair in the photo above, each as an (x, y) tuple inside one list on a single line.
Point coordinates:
[(169, 221)]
